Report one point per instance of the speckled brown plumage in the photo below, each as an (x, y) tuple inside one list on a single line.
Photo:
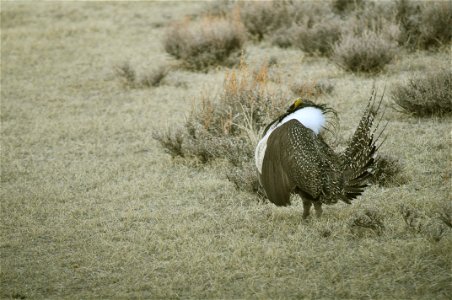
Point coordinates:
[(299, 161)]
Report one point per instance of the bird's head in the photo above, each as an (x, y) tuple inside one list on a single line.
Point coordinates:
[(296, 104), (300, 103)]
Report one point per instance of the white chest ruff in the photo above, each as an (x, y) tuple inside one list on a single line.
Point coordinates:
[(310, 117)]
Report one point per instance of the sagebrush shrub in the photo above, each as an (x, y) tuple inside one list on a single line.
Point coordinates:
[(263, 17), (427, 95), (207, 42), (424, 25), (229, 125), (368, 52), (318, 39)]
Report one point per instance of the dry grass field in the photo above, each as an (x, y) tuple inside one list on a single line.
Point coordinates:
[(93, 207)]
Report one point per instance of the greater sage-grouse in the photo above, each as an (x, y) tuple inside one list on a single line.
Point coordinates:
[(292, 157)]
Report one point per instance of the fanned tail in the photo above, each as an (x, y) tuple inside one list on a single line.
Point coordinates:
[(359, 158)]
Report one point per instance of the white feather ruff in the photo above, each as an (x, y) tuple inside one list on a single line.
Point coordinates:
[(310, 117)]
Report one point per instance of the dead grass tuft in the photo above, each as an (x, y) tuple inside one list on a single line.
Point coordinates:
[(368, 52), (130, 79), (433, 227), (126, 73), (208, 42), (154, 77), (428, 95), (388, 172), (366, 222)]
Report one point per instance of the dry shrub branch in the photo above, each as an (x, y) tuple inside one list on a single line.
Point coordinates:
[(207, 42), (228, 126), (428, 95)]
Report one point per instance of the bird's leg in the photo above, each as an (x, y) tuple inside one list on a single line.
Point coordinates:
[(318, 209), (306, 208)]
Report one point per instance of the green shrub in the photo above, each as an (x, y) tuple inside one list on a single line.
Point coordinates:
[(424, 25), (367, 52), (428, 95), (208, 42)]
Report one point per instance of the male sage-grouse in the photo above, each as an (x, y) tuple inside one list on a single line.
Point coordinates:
[(292, 157)]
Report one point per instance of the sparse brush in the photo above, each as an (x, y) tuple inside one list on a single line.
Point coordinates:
[(311, 88), (424, 25), (369, 52), (318, 39), (130, 78), (262, 18), (171, 141), (228, 126), (388, 172), (428, 95), (208, 42), (220, 8), (432, 227)]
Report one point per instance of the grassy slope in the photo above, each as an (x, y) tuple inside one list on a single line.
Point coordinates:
[(92, 207)]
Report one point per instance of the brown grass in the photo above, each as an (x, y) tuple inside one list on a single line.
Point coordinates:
[(93, 208)]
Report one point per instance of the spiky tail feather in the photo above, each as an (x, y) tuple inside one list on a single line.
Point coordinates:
[(359, 158)]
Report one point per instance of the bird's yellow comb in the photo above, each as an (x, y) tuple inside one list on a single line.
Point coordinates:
[(297, 102)]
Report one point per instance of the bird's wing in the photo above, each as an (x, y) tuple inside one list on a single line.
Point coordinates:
[(274, 177), (291, 160)]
